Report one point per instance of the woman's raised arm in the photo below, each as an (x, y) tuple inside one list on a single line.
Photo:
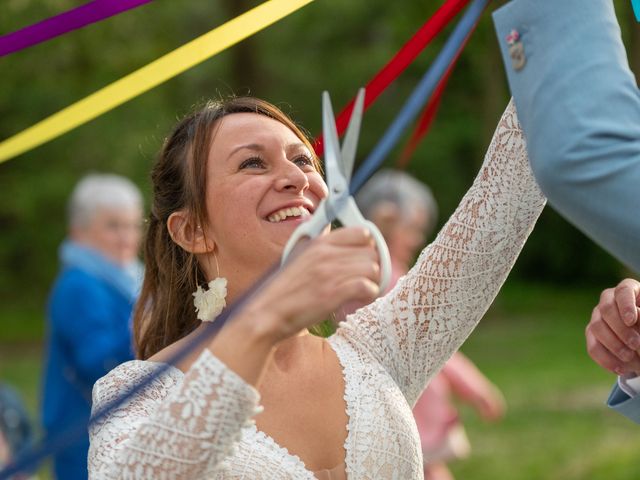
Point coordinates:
[(418, 325)]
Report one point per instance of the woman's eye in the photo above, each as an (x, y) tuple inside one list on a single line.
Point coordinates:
[(304, 161), (253, 162)]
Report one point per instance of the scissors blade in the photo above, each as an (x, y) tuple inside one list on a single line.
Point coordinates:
[(332, 158), (351, 138)]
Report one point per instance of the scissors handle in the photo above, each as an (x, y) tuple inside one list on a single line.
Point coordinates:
[(350, 215), (383, 254), (311, 228)]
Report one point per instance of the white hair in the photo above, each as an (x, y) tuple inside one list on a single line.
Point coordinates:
[(101, 191), (401, 190)]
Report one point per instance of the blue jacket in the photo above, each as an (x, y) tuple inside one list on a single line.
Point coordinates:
[(579, 106), (88, 334)]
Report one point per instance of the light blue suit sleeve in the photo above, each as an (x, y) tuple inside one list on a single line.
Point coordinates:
[(624, 404), (579, 107)]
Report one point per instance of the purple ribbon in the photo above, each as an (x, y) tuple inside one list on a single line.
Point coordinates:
[(52, 27)]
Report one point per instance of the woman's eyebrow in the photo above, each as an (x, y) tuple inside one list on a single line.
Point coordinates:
[(249, 146), (296, 146), (291, 147)]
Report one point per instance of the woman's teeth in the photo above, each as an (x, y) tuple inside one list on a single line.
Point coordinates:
[(288, 212)]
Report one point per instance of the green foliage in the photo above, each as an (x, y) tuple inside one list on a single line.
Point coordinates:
[(329, 44), (324, 329), (531, 344)]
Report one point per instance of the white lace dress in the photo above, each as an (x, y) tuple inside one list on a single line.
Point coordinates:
[(199, 425)]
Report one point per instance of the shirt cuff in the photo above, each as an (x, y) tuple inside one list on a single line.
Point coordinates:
[(629, 385)]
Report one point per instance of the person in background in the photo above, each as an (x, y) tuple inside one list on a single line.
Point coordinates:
[(406, 212), (90, 306), (579, 105), (16, 429)]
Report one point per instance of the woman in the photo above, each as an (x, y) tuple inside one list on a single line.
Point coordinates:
[(232, 183), (90, 306)]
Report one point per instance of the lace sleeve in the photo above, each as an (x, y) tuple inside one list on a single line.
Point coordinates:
[(178, 426), (419, 324)]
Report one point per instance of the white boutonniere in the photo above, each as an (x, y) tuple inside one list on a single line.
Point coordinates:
[(209, 303)]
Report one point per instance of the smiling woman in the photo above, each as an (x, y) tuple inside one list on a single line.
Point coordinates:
[(212, 202), (230, 186)]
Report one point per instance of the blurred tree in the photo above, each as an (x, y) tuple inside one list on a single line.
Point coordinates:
[(329, 44)]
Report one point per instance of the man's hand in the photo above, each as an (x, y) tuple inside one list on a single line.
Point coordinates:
[(613, 341)]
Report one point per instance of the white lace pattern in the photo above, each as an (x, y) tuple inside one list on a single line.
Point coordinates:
[(198, 425)]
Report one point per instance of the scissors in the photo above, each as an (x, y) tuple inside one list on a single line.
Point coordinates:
[(339, 204)]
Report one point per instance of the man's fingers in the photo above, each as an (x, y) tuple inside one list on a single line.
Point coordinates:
[(609, 308), (604, 335), (604, 357), (626, 294)]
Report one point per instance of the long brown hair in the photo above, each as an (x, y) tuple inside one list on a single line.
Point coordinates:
[(164, 312)]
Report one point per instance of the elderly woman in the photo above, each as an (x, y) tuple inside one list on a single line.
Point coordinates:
[(90, 305), (263, 398)]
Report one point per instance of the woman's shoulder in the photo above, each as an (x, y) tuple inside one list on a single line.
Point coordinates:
[(157, 379)]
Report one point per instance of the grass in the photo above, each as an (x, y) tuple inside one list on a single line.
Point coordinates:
[(531, 344), (557, 427)]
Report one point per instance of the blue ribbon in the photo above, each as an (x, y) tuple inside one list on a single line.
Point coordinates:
[(420, 95)]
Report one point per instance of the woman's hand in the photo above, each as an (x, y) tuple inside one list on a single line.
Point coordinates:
[(490, 404), (329, 271), (612, 334), (472, 386)]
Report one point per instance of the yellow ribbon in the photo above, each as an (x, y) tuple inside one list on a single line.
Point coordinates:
[(149, 76)]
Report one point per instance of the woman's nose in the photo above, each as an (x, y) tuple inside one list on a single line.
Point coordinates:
[(290, 177)]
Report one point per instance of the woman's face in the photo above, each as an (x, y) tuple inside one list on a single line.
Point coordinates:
[(261, 184), (114, 232)]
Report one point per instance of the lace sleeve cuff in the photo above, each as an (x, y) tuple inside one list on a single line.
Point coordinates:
[(175, 430)]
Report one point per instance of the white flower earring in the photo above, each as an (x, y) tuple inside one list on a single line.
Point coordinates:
[(209, 303)]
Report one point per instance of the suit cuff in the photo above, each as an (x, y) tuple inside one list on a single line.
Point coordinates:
[(629, 385)]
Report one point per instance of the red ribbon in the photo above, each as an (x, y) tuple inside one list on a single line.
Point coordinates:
[(430, 111), (405, 56)]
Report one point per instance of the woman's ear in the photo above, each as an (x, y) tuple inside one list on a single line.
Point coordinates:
[(189, 236)]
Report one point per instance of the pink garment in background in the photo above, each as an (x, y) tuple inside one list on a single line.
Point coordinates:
[(442, 435)]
